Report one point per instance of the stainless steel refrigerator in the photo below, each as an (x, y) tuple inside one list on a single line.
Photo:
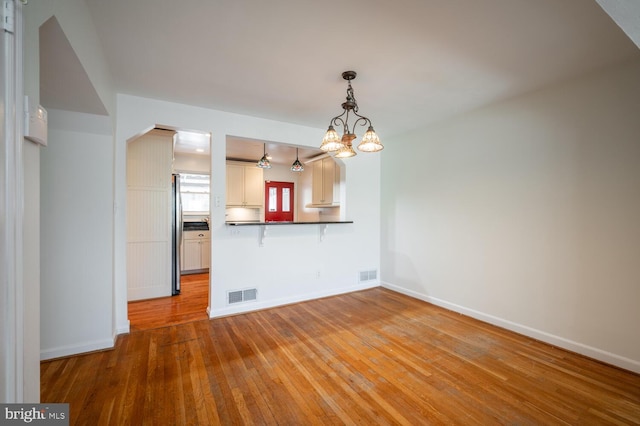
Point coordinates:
[(176, 234)]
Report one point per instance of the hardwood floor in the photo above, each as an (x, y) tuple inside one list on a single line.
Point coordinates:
[(190, 305), (370, 357)]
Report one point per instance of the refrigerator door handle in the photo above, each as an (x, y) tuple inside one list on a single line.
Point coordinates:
[(176, 237), (178, 233), (180, 225)]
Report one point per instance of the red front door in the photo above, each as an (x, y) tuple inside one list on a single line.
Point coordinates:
[(278, 201)]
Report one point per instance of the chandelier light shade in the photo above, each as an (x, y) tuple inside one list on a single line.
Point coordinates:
[(370, 142), (343, 146), (297, 165), (331, 141), (347, 148), (264, 163)]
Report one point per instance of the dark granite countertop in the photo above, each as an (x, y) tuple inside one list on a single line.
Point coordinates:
[(286, 223)]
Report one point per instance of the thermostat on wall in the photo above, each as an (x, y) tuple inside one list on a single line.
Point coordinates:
[(35, 123)]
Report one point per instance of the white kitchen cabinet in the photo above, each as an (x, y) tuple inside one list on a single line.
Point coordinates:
[(325, 188), (205, 253), (196, 251), (245, 185)]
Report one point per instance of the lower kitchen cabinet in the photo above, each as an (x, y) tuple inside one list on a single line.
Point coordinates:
[(196, 251)]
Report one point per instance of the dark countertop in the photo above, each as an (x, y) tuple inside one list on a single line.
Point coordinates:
[(285, 223), (195, 226)]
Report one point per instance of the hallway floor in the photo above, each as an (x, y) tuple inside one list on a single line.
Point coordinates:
[(190, 305)]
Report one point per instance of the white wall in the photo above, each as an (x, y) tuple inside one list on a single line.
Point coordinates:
[(191, 163), (76, 180), (525, 214), (293, 264), (73, 320), (75, 20)]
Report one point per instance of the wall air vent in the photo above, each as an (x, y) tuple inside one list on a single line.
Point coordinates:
[(371, 275), (238, 296), (250, 294)]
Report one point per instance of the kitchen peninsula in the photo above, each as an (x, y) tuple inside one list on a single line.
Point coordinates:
[(322, 225), (329, 222)]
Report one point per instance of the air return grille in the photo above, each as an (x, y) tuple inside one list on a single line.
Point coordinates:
[(371, 275), (238, 296)]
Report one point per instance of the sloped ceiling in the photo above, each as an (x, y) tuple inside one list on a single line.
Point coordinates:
[(64, 84), (418, 61), (626, 13)]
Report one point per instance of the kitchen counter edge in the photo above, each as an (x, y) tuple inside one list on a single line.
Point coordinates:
[(285, 223)]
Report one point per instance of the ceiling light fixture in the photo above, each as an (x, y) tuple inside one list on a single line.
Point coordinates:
[(297, 165), (264, 163), (342, 146)]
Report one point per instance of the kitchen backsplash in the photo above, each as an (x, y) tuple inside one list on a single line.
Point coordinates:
[(239, 214), (194, 218)]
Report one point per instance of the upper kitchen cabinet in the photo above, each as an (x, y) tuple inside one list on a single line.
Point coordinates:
[(325, 188), (245, 185)]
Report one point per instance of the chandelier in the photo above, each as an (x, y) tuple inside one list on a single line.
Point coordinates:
[(342, 145)]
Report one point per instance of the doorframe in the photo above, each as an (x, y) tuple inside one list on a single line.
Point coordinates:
[(13, 333), (124, 300)]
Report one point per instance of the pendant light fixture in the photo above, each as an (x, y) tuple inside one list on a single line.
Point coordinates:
[(347, 148), (297, 165), (343, 146), (264, 163)]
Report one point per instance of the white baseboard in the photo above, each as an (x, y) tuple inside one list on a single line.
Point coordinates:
[(76, 349), (259, 305), (125, 329), (561, 342)]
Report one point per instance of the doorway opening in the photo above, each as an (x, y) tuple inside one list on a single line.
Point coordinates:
[(161, 292)]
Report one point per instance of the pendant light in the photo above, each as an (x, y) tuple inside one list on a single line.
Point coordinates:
[(297, 165), (342, 146), (264, 163), (347, 148)]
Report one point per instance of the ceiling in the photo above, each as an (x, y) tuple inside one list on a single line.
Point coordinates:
[(244, 149), (418, 61)]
